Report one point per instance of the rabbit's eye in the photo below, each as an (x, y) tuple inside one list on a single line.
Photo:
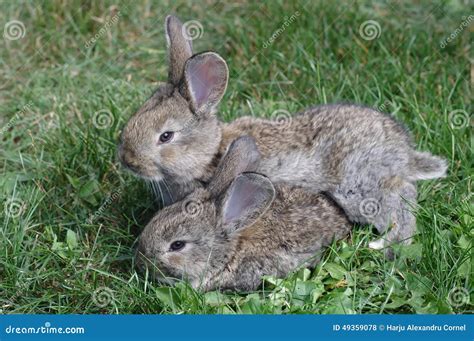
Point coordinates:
[(177, 245), (166, 136)]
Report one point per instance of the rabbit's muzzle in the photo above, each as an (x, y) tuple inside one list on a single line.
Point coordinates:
[(137, 164)]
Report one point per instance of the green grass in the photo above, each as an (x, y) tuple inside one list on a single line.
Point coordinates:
[(57, 255)]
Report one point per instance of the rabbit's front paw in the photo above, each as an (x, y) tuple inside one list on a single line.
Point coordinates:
[(378, 244)]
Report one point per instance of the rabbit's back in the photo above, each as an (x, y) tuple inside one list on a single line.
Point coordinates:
[(348, 122), (316, 148), (299, 221)]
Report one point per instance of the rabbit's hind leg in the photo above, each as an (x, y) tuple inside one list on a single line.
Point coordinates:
[(386, 204), (397, 221)]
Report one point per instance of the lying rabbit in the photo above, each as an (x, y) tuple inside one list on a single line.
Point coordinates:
[(360, 157), (240, 232)]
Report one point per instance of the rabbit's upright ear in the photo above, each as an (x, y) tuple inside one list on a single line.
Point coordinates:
[(179, 48), (241, 156), (205, 77), (249, 196)]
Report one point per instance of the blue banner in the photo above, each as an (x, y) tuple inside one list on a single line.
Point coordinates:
[(240, 327)]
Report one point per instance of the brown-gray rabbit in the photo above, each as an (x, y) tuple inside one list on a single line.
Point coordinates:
[(240, 232), (360, 157)]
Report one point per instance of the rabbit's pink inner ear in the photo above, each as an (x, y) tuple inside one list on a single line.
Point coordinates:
[(201, 79), (247, 199), (206, 77), (241, 199)]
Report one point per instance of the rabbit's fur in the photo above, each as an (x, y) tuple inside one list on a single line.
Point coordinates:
[(240, 232), (360, 157)]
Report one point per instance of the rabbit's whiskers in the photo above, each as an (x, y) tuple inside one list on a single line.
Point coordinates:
[(170, 194)]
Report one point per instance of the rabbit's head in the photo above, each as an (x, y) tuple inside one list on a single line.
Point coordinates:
[(175, 134), (180, 239), (196, 237)]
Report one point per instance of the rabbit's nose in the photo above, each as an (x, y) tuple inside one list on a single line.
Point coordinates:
[(125, 158), (131, 166), (138, 260), (121, 153), (142, 257)]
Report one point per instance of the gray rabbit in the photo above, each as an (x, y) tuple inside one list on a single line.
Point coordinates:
[(361, 158), (244, 228)]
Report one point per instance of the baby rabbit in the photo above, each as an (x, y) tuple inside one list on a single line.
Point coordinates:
[(360, 157), (240, 232)]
